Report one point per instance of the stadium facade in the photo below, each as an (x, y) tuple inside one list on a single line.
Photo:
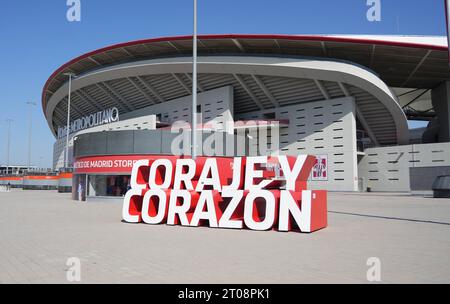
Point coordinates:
[(345, 99)]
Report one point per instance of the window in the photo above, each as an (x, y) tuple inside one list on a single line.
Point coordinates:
[(269, 115)]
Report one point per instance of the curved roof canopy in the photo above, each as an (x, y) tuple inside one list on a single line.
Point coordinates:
[(133, 74), (260, 83), (408, 61)]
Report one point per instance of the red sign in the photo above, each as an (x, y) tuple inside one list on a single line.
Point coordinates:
[(230, 193), (109, 164)]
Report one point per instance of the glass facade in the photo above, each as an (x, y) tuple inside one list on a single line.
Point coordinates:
[(108, 185), (86, 186)]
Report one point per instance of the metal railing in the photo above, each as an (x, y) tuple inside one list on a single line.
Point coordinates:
[(362, 141)]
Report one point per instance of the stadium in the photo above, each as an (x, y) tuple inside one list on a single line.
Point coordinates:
[(345, 99)]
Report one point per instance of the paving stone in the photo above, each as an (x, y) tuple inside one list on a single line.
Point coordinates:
[(40, 230)]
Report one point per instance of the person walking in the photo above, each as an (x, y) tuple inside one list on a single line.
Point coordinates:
[(80, 191)]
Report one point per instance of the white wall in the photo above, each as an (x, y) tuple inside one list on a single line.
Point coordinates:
[(325, 127), (140, 123), (216, 106), (387, 168)]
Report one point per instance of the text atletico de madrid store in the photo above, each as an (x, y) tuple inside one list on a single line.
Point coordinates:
[(103, 176)]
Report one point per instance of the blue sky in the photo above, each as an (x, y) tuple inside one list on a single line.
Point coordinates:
[(36, 39)]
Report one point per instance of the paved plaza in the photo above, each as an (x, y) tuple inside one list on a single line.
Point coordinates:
[(40, 230)]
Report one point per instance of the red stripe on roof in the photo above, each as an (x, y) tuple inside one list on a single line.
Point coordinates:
[(245, 36)]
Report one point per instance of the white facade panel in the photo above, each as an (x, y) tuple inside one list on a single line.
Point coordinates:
[(326, 128), (387, 168), (216, 107)]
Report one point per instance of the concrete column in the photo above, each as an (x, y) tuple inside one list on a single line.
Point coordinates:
[(441, 102)]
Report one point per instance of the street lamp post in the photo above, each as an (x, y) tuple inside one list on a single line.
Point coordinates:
[(194, 86), (66, 163), (8, 121), (31, 104)]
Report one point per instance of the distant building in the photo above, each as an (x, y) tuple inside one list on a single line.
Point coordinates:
[(14, 169)]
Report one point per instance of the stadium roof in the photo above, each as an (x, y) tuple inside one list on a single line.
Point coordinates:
[(400, 61)]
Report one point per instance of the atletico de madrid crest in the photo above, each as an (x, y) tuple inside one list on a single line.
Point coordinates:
[(320, 168)]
